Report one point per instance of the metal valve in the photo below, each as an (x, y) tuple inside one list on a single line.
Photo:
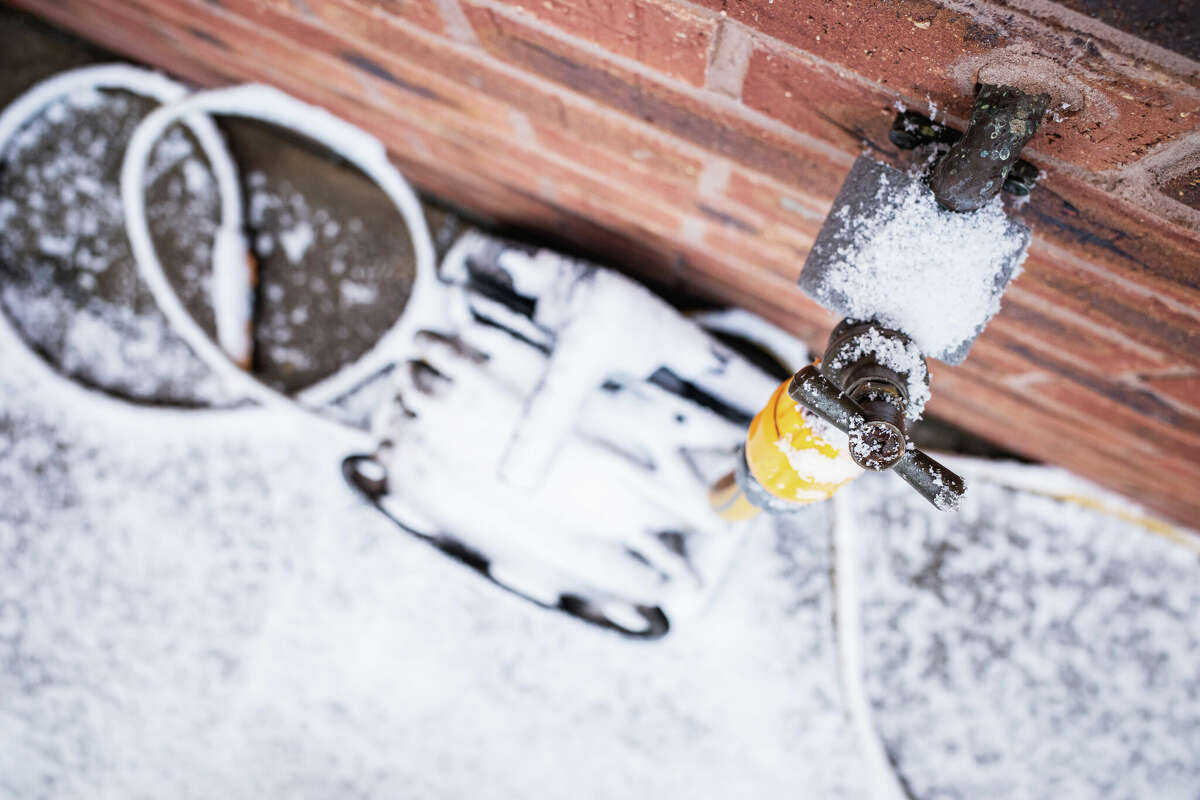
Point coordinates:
[(863, 388)]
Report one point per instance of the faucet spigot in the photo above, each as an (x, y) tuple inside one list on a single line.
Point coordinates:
[(977, 166), (864, 388), (932, 480)]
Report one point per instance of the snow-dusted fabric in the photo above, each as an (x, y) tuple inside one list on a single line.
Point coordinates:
[(539, 419)]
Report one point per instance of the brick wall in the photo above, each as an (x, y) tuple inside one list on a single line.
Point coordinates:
[(701, 143)]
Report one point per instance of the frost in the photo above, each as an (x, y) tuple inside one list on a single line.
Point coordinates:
[(69, 283), (357, 293), (811, 463), (53, 245), (196, 175), (904, 358), (295, 242), (913, 266), (264, 244), (993, 631)]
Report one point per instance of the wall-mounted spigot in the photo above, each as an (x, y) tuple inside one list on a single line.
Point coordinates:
[(875, 427), (873, 378), (935, 482), (853, 361), (1003, 119), (869, 383), (987, 158)]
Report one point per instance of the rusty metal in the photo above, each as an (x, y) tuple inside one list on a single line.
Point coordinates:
[(878, 390), (1003, 120), (912, 129), (868, 402)]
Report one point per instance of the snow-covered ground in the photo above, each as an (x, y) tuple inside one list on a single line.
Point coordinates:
[(194, 604), (206, 610)]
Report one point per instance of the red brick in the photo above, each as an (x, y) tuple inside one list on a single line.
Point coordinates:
[(1107, 404), (814, 99), (621, 166), (715, 127), (365, 16), (1184, 189), (1152, 434), (905, 46), (802, 209), (1115, 234), (1109, 408), (1060, 428), (123, 30), (423, 12), (1160, 483), (902, 45), (1184, 390), (1108, 401), (776, 298), (490, 95), (990, 356), (345, 26), (1025, 316), (591, 196), (668, 37), (722, 232), (1139, 316)]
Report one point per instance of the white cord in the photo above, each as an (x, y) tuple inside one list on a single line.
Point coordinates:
[(256, 102), (144, 83), (884, 784), (357, 147)]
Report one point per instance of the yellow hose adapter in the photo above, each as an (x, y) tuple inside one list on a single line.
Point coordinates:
[(787, 462)]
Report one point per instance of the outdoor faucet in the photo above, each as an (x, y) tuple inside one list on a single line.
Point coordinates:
[(915, 262)]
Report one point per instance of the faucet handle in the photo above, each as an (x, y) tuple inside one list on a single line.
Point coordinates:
[(932, 480)]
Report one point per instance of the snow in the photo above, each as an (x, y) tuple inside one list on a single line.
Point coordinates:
[(295, 242), (903, 357), (194, 604), (582, 442), (816, 466), (902, 260), (204, 609), (1026, 642), (198, 607), (286, 223), (62, 225), (195, 176), (357, 293)]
